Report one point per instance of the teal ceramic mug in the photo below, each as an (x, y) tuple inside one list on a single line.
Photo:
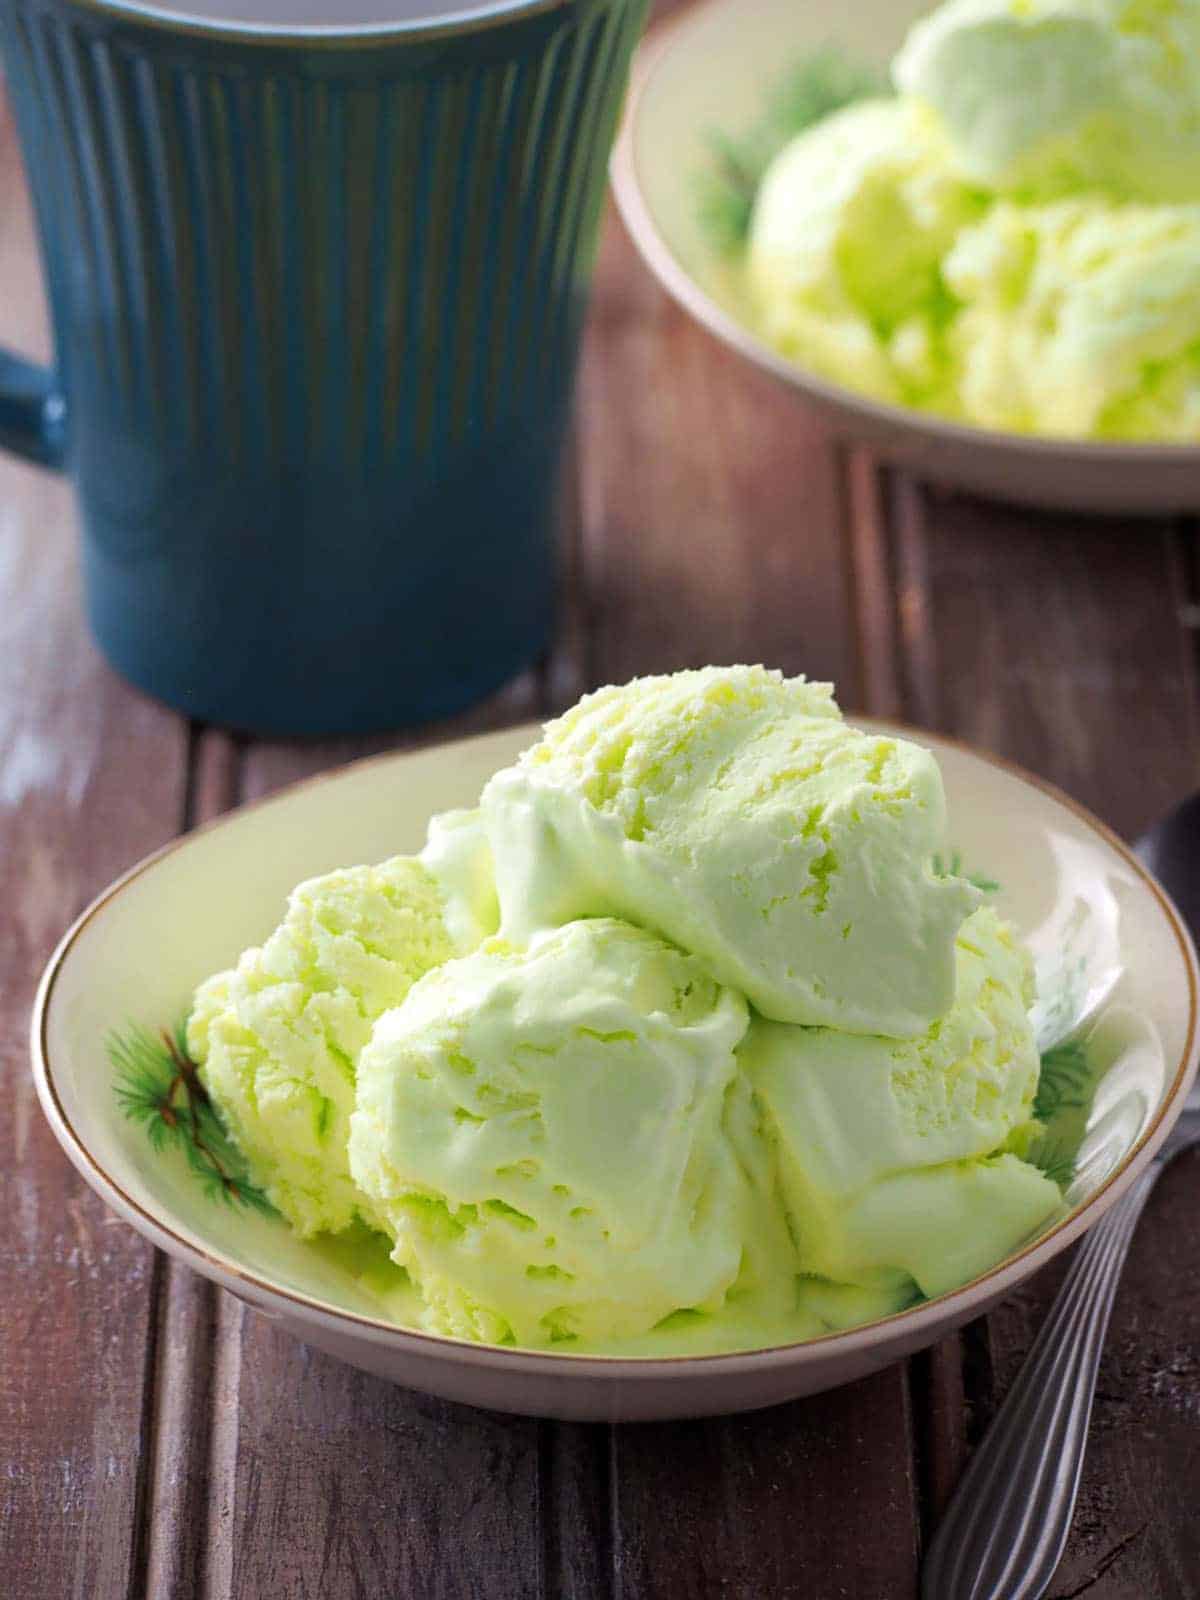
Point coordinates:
[(316, 290)]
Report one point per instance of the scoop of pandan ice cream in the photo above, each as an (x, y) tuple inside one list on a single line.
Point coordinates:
[(849, 229), (277, 1038), (734, 812), (545, 1134), (1081, 317), (1043, 98), (899, 1160), (457, 854)]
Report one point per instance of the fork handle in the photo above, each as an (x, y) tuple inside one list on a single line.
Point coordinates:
[(1006, 1527)]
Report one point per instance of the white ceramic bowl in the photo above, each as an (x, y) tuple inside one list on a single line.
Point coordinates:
[(709, 72), (1113, 955)]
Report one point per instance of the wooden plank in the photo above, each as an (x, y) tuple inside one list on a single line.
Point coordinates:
[(802, 1500), (713, 512), (328, 1482), (577, 1511), (1057, 641), (274, 763), (91, 777), (1054, 641), (173, 1554), (711, 501), (877, 628)]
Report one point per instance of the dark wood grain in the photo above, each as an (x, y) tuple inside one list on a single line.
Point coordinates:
[(1055, 641), (273, 763), (91, 777), (177, 1427), (1060, 642), (578, 1484), (710, 501), (160, 1439), (330, 1483), (814, 1498)]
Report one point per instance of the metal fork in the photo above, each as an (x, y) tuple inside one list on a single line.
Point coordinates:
[(1006, 1527)]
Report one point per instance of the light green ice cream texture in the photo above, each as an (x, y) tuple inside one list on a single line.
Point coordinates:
[(579, 1141), (1015, 240), (900, 1159), (543, 1134), (850, 227), (277, 1038), (1044, 98), (1076, 321), (601, 1125), (733, 811)]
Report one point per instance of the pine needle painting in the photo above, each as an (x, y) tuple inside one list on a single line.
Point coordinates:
[(158, 1086), (951, 866), (815, 87)]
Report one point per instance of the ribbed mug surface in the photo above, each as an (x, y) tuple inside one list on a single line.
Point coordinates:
[(316, 303)]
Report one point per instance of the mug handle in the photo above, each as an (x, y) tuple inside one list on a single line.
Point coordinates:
[(33, 412)]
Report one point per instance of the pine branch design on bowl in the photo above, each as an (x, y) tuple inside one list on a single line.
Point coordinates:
[(951, 866), (815, 86), (157, 1084)]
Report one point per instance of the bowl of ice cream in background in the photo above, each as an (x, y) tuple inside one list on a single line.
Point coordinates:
[(970, 236), (699, 1051)]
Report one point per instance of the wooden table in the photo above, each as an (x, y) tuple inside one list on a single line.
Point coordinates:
[(158, 1438)]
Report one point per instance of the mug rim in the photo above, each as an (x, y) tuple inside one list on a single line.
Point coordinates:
[(468, 19)]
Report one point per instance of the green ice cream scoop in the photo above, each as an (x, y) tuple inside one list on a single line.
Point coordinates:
[(544, 1134), (847, 237), (277, 1037), (457, 854), (733, 811), (897, 1157), (1014, 240), (1042, 98), (1080, 318)]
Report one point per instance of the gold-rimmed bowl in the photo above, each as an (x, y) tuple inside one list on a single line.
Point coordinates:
[(710, 73), (1116, 969)]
